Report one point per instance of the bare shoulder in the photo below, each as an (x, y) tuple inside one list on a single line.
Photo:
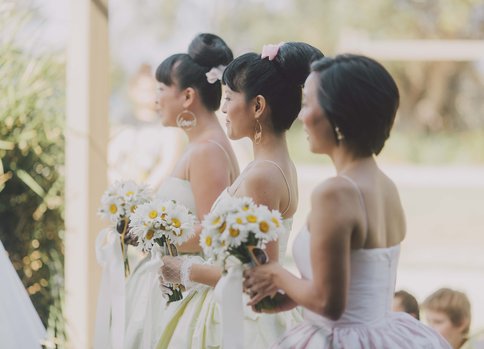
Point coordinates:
[(262, 176), (262, 184), (333, 191), (206, 150)]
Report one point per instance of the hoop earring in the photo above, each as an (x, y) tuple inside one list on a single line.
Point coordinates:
[(339, 135), (186, 123), (258, 132)]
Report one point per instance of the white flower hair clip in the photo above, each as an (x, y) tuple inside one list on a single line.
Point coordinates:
[(215, 74)]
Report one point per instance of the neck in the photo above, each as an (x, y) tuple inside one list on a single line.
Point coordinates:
[(206, 121), (270, 146), (345, 161)]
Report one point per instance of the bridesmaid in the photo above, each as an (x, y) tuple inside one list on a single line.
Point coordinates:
[(263, 98), (190, 92), (348, 253)]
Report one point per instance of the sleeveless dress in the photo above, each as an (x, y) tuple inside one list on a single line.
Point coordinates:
[(20, 325), (367, 321), (144, 301), (195, 322)]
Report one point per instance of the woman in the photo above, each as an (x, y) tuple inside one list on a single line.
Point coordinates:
[(449, 313), (348, 253), (262, 101), (189, 94)]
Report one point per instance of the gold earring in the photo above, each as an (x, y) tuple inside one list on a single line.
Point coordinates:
[(339, 135), (186, 120), (258, 132)]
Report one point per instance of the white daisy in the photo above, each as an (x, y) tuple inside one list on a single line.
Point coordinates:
[(236, 233), (112, 208)]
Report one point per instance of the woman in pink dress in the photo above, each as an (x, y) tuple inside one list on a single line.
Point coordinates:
[(348, 252)]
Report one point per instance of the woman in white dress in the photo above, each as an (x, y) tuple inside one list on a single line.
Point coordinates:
[(263, 98), (20, 325), (348, 252), (189, 94)]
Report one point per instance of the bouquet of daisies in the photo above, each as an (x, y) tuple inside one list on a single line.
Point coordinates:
[(164, 224), (242, 229), (118, 204)]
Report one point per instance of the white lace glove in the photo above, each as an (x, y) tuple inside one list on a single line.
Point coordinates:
[(176, 270)]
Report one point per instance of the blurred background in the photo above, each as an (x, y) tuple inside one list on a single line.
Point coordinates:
[(435, 153)]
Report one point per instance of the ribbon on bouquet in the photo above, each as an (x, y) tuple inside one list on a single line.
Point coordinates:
[(152, 267), (228, 293), (110, 313)]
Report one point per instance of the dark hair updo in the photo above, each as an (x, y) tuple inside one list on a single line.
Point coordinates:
[(359, 97), (280, 81), (205, 52)]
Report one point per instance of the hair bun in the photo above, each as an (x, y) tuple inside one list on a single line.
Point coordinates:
[(295, 59), (209, 50)]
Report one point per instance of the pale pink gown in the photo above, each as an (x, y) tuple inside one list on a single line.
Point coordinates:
[(367, 321)]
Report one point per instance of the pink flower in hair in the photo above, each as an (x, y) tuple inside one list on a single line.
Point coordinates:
[(270, 51)]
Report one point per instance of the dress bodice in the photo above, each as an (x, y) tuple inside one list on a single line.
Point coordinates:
[(372, 282), (179, 190)]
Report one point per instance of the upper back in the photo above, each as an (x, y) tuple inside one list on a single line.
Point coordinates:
[(381, 220)]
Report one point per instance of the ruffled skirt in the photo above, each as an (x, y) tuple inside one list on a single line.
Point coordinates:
[(396, 331)]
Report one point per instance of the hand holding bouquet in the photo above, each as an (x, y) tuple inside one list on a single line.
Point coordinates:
[(163, 224), (242, 229)]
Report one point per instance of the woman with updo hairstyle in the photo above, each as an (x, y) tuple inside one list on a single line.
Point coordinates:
[(190, 92), (262, 100), (348, 251)]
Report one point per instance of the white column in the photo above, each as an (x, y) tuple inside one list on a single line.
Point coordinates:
[(86, 162)]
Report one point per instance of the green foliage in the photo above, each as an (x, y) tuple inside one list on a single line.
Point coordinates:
[(31, 179)]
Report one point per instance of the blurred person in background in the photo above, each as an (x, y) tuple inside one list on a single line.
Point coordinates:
[(404, 301), (449, 312)]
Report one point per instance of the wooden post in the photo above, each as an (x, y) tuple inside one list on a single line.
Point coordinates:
[(87, 129)]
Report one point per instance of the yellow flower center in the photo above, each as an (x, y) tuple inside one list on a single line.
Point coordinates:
[(216, 221), (129, 193), (133, 208), (251, 218), (234, 232), (113, 208), (264, 226), (221, 229), (153, 214), (276, 222), (208, 241), (245, 207), (239, 220), (176, 222), (149, 235)]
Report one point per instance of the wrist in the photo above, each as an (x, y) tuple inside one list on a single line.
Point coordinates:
[(185, 273), (276, 275)]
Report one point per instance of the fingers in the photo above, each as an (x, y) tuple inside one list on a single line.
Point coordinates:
[(255, 298)]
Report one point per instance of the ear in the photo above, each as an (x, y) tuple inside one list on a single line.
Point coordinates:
[(464, 325), (188, 96), (259, 106)]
